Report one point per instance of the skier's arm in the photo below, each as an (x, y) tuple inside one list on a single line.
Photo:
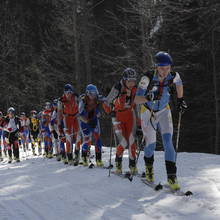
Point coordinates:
[(82, 113), (179, 91), (140, 97), (182, 106)]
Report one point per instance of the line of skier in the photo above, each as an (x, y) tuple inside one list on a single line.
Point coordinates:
[(71, 123)]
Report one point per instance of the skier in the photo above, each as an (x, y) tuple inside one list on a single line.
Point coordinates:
[(54, 131), (2, 141), (68, 113), (24, 131), (89, 123), (120, 102), (11, 134), (153, 93), (45, 130), (34, 132)]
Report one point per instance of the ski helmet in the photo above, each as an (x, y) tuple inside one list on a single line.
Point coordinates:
[(23, 114), (11, 110), (33, 112), (129, 74), (55, 101), (48, 105), (92, 90), (68, 88), (163, 59)]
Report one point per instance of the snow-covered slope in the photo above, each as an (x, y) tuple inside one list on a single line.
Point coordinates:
[(40, 188)]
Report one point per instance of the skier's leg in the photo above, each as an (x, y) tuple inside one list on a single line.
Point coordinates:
[(68, 132), (98, 145), (148, 125), (166, 128), (86, 142), (120, 132), (77, 135)]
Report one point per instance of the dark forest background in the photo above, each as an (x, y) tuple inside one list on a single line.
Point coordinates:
[(47, 43)]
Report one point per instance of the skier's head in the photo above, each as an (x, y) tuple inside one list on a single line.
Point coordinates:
[(163, 62), (47, 106), (129, 77), (33, 113), (11, 112), (23, 115), (92, 91), (55, 101), (68, 90)]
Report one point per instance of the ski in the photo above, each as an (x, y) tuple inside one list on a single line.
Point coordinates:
[(164, 187), (125, 175)]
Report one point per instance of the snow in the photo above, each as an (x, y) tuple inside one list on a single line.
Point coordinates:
[(39, 188)]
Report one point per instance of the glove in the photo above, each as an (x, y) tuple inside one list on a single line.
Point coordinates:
[(92, 123), (182, 106), (139, 131), (55, 134), (150, 96), (101, 98), (6, 140)]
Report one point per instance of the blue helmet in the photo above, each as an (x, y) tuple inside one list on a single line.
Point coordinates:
[(68, 88), (163, 59), (92, 90), (129, 74)]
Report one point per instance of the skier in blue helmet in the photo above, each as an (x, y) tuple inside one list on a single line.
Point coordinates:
[(89, 123), (153, 94)]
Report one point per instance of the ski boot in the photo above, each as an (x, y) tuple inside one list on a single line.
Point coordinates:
[(85, 158), (118, 165), (132, 166), (10, 160), (17, 159), (85, 161), (99, 162), (70, 158), (50, 155), (58, 157), (1, 158), (171, 175), (76, 158), (149, 174), (173, 183), (64, 158)]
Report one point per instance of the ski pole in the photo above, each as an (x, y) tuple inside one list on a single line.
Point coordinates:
[(138, 154), (178, 132), (110, 159)]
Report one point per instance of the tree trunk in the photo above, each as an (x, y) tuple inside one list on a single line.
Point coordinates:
[(216, 94), (76, 48)]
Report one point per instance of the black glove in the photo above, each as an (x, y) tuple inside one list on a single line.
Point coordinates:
[(139, 131), (150, 96), (182, 106), (55, 134), (92, 123)]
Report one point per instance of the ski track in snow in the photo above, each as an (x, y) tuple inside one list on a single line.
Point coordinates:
[(44, 189)]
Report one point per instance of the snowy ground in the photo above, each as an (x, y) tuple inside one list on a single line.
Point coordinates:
[(39, 188)]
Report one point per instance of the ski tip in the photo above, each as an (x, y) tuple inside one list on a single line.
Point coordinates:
[(111, 166), (91, 165), (158, 187), (143, 174), (188, 193)]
